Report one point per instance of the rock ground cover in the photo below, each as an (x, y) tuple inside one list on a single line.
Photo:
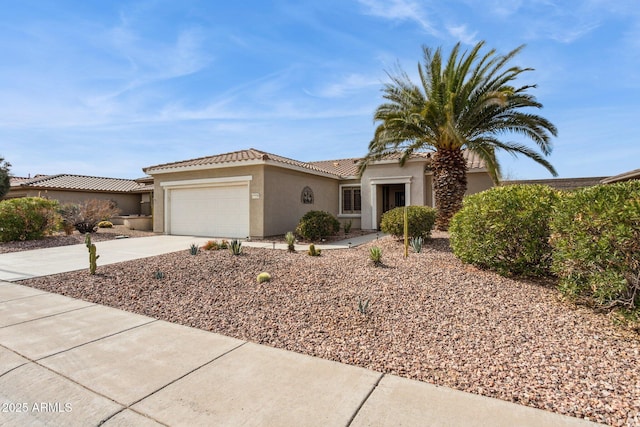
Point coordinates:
[(430, 318)]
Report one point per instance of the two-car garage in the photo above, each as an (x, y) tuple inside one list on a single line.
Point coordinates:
[(212, 207)]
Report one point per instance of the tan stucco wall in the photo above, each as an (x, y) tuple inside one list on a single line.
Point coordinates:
[(256, 185), (129, 204), (477, 182), (283, 205)]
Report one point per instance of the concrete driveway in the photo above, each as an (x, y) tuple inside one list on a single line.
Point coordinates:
[(44, 262)]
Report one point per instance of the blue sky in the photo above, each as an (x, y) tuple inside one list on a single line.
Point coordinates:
[(106, 88)]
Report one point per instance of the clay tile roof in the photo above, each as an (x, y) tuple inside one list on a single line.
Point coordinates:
[(473, 160), (81, 183), (237, 156), (634, 174), (341, 167)]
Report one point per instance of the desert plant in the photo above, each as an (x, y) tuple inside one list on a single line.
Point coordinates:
[(93, 258), (416, 244), (235, 247), (420, 218), (595, 235), (315, 225), (158, 275), (211, 245), (27, 218), (363, 306), (375, 255), (194, 249), (506, 229), (224, 244), (85, 216), (105, 224), (290, 238), (263, 277), (347, 227), (313, 251)]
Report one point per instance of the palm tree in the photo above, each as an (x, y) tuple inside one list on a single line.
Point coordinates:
[(465, 104)]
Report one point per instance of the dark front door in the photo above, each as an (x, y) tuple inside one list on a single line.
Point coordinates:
[(392, 196)]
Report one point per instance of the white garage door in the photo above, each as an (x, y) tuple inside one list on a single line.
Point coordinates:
[(219, 211)]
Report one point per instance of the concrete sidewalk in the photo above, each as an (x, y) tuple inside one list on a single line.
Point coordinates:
[(44, 262), (69, 362)]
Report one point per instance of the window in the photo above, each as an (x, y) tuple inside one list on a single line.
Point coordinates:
[(351, 202), (307, 196)]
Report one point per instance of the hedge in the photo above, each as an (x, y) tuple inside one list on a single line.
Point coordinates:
[(27, 218), (420, 218), (506, 229), (596, 241)]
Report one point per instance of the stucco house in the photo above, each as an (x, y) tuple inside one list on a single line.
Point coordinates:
[(251, 193), (132, 197)]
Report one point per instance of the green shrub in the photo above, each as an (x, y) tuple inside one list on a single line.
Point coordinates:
[(596, 241), (506, 229), (315, 225), (27, 218), (420, 218), (105, 224)]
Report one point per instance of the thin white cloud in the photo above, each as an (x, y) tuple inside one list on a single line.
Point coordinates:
[(400, 10), (460, 32), (351, 83)]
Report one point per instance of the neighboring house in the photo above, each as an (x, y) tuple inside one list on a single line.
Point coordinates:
[(132, 197), (627, 176), (250, 193)]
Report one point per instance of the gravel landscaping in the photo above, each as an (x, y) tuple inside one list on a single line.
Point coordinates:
[(429, 318)]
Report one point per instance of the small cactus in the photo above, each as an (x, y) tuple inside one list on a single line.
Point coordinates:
[(313, 251), (92, 254), (263, 277)]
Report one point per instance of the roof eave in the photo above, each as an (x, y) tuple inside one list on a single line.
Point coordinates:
[(256, 162)]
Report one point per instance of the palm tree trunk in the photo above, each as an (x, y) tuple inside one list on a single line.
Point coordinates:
[(449, 184)]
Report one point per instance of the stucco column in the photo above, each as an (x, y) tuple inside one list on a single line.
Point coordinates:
[(374, 206)]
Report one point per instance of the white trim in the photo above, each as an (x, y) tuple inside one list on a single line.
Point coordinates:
[(207, 181), (199, 183), (391, 180), (406, 180)]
